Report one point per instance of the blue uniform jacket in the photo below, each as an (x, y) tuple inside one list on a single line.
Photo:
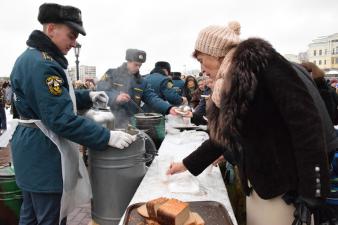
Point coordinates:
[(178, 86), (120, 80), (163, 87), (41, 92)]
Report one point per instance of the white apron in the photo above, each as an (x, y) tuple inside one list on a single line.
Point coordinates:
[(76, 184)]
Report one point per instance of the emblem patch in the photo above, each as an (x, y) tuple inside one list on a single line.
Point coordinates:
[(54, 85), (104, 77), (170, 84)]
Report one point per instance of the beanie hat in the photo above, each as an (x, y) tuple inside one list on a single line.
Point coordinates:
[(217, 40)]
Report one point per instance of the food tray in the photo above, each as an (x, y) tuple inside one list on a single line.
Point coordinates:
[(213, 213)]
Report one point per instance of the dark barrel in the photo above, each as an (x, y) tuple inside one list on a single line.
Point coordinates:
[(151, 123), (10, 197)]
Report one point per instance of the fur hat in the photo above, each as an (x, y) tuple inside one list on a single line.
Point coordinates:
[(176, 75), (218, 40), (55, 13), (135, 55), (163, 65)]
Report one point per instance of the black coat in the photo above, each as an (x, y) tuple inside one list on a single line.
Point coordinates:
[(282, 135)]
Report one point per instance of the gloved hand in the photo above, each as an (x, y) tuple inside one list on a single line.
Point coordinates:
[(99, 98), (120, 139)]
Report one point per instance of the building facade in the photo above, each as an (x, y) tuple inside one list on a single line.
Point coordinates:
[(292, 58), (323, 52), (85, 73)]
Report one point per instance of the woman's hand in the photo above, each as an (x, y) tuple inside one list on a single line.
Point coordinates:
[(188, 114), (176, 168)]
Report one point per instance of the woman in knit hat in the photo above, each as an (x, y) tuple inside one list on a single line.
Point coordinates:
[(262, 114)]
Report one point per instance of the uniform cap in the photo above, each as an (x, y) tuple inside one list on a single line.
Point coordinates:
[(135, 55), (55, 13)]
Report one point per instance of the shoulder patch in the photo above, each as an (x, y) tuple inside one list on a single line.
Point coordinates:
[(170, 84), (54, 83), (46, 56), (104, 77)]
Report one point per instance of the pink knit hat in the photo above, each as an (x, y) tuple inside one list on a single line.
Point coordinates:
[(218, 40)]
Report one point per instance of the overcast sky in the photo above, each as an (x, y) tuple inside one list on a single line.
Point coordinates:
[(167, 29)]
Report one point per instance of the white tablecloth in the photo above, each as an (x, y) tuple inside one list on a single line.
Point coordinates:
[(176, 147)]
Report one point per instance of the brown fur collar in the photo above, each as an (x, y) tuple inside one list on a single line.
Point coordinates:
[(250, 59)]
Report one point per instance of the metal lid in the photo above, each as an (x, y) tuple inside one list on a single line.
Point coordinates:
[(147, 115)]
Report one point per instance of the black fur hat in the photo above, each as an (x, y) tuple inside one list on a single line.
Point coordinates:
[(176, 75), (163, 65), (55, 13)]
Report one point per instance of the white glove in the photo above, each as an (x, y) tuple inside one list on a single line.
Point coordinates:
[(99, 97), (120, 139)]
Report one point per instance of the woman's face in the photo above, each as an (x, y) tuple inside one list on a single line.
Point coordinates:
[(209, 64), (191, 84)]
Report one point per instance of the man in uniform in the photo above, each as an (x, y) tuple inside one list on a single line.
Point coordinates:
[(160, 81), (48, 168), (178, 82), (126, 89)]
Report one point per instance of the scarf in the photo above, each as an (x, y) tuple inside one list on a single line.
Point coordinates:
[(222, 78)]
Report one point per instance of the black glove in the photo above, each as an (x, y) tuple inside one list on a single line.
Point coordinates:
[(305, 207)]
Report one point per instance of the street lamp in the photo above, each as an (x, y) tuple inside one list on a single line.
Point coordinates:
[(77, 53)]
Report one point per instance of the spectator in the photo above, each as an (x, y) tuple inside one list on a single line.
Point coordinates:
[(190, 86), (327, 92)]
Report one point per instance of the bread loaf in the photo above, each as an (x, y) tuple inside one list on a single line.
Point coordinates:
[(173, 212), (153, 205), (142, 210), (151, 222), (191, 220), (198, 219)]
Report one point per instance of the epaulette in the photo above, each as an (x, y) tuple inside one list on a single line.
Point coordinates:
[(46, 56)]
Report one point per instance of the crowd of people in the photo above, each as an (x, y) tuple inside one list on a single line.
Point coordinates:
[(271, 119), (5, 103)]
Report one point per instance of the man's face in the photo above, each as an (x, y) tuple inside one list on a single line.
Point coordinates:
[(201, 85), (133, 67), (62, 36)]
